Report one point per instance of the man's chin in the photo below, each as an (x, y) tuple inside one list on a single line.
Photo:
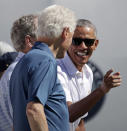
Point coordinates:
[(82, 62), (60, 55)]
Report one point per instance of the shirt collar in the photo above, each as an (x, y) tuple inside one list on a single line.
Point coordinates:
[(71, 69), (42, 46), (20, 55)]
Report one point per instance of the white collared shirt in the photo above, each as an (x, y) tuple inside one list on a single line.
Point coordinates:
[(6, 118), (76, 85)]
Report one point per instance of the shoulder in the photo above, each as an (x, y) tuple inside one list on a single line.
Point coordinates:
[(61, 69), (35, 58), (89, 69), (39, 55), (62, 72)]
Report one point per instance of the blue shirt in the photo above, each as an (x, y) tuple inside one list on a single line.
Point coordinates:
[(35, 79)]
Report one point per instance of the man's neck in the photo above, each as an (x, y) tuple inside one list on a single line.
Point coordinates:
[(51, 44), (54, 51)]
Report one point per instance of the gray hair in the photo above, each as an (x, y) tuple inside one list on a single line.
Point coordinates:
[(87, 23), (53, 20), (5, 47), (25, 25)]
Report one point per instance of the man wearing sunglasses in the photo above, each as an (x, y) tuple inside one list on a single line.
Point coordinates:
[(76, 76)]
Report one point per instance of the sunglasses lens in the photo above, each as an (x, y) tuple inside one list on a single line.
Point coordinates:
[(78, 41), (89, 42)]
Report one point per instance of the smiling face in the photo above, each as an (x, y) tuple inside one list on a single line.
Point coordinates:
[(80, 54)]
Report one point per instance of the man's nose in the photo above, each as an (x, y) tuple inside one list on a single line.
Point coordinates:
[(83, 45)]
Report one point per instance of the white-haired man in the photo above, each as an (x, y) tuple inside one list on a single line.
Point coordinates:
[(23, 37), (76, 76), (37, 96)]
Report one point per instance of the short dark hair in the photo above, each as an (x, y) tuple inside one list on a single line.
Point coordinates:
[(6, 59), (87, 23)]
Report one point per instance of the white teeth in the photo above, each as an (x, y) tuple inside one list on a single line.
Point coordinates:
[(81, 53)]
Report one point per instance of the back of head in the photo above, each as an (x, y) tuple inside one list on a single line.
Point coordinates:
[(25, 25), (5, 60), (5, 47), (86, 23), (53, 19)]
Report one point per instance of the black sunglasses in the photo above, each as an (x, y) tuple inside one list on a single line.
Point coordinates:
[(78, 41)]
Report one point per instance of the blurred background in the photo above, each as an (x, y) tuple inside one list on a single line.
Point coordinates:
[(110, 18)]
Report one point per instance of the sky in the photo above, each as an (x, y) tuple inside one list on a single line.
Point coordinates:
[(110, 18)]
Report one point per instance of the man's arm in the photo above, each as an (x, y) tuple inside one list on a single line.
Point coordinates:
[(36, 116), (81, 107)]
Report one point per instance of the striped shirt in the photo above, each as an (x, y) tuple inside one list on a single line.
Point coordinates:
[(6, 117)]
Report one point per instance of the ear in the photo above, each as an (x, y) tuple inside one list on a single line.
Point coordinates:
[(28, 41), (96, 44), (65, 33)]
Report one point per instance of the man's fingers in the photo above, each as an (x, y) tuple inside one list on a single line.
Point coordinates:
[(116, 84), (117, 80), (115, 76), (117, 73), (108, 73), (111, 80)]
